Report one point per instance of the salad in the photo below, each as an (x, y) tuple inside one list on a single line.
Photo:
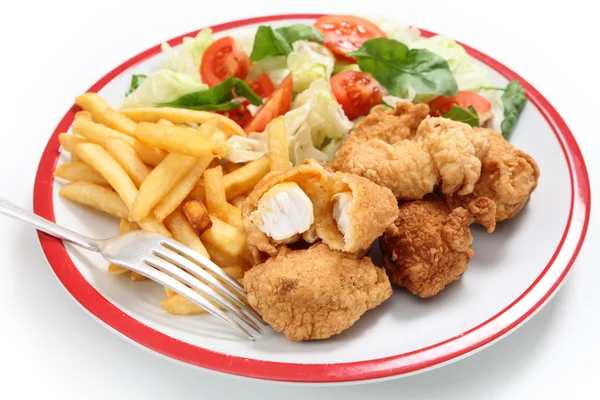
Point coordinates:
[(323, 78)]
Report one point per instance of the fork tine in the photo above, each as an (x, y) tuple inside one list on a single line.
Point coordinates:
[(166, 280), (203, 275), (204, 262), (199, 286)]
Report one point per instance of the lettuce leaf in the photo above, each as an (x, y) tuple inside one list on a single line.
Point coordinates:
[(275, 67), (187, 60), (393, 29), (163, 86), (309, 61)]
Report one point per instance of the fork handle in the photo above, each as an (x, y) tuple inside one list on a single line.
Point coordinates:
[(42, 224)]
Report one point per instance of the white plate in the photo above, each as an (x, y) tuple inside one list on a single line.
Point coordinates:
[(513, 274)]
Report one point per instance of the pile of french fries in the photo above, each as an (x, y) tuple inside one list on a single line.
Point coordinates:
[(159, 170)]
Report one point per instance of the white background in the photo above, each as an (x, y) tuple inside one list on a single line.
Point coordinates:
[(55, 50)]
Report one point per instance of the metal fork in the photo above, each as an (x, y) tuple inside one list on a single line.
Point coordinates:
[(166, 262)]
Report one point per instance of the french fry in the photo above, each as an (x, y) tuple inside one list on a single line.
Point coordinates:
[(244, 179), (238, 201), (78, 171), (128, 159), (219, 136), (158, 183), (99, 159), (98, 133), (226, 237), (215, 193), (165, 122), (197, 215), (208, 128), (95, 196), (176, 304), (229, 167), (180, 116), (198, 191), (175, 139), (134, 276), (180, 191), (125, 226), (68, 142), (83, 115), (234, 216), (278, 146), (103, 113), (224, 260), (182, 231)]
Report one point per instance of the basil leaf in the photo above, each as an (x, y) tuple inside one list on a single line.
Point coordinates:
[(217, 98), (242, 89), (268, 42), (296, 32), (136, 81), (230, 105), (396, 68), (463, 115), (514, 101)]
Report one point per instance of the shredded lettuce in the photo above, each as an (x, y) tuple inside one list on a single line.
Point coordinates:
[(308, 62), (245, 38), (163, 86), (188, 59), (393, 100), (469, 76), (275, 67), (393, 29), (316, 128)]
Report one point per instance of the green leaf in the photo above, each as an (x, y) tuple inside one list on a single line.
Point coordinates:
[(514, 101), (296, 32), (136, 80), (396, 68), (463, 115), (242, 89), (230, 105), (217, 98), (268, 42)]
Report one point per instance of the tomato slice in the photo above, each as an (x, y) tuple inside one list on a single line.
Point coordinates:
[(357, 92), (346, 33), (262, 86), (278, 104), (240, 115), (223, 59), (441, 105)]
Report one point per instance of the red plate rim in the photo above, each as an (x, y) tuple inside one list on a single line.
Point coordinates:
[(451, 349)]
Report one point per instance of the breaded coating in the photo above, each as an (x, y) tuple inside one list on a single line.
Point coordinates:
[(452, 152), (428, 247), (508, 177), (405, 167), (370, 209), (412, 160), (315, 293)]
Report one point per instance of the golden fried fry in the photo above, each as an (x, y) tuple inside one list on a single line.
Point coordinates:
[(224, 260), (230, 167), (180, 191), (278, 146), (99, 159), (183, 232), (180, 116), (159, 182), (178, 140), (216, 203), (78, 171), (226, 237), (95, 196), (103, 113), (244, 179), (68, 142), (83, 115), (125, 226), (234, 216), (197, 215), (208, 128), (128, 159), (98, 133), (237, 201)]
